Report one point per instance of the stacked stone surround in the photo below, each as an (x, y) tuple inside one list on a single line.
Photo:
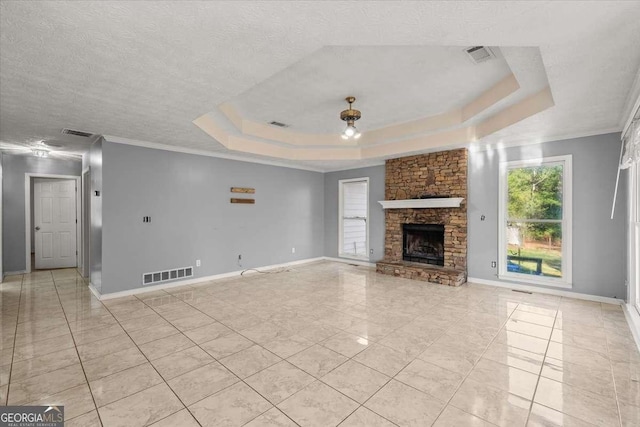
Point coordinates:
[(441, 174)]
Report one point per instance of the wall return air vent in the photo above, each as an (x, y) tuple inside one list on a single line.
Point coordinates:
[(167, 275)]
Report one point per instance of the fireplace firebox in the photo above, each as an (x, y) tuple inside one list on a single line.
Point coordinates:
[(423, 243)]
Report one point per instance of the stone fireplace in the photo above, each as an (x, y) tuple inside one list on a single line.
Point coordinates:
[(427, 243)]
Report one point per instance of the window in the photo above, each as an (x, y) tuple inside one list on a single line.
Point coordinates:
[(634, 244), (353, 224), (535, 221)]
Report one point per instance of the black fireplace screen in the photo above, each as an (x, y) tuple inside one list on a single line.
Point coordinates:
[(423, 243)]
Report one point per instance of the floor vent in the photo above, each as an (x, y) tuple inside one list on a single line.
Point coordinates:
[(67, 131), (164, 276)]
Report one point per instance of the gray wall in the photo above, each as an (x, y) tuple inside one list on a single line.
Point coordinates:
[(376, 213), (94, 162), (13, 224), (599, 253), (187, 197)]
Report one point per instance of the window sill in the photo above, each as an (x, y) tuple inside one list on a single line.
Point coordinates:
[(521, 278)]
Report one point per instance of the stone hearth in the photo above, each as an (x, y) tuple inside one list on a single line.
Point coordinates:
[(442, 174)]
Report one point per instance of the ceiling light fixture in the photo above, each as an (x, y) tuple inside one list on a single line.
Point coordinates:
[(38, 152), (350, 116)]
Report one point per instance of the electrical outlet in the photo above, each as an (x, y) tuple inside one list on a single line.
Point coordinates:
[(293, 250), (493, 264), (197, 263)]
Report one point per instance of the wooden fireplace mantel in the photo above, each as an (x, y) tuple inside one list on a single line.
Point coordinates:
[(445, 202)]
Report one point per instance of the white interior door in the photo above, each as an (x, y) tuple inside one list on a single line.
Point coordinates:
[(55, 222)]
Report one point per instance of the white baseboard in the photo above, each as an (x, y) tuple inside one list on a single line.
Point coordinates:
[(14, 273), (538, 290), (633, 319), (152, 288), (94, 291), (350, 261)]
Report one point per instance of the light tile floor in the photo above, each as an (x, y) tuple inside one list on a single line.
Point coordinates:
[(322, 344)]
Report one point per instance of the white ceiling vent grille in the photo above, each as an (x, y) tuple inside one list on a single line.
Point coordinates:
[(278, 124), (67, 131), (479, 54), (164, 276)]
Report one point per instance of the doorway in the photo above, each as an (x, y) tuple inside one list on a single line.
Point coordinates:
[(56, 223)]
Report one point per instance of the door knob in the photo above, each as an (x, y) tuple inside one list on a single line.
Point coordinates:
[(37, 228)]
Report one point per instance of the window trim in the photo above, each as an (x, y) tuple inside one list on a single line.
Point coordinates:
[(567, 216), (633, 241), (340, 218)]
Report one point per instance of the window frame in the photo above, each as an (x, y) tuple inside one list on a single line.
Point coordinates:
[(566, 281), (341, 183), (634, 236)]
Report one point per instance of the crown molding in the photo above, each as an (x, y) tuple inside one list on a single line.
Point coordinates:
[(364, 165), (484, 146), (384, 135), (477, 146), (220, 155), (632, 106), (439, 141)]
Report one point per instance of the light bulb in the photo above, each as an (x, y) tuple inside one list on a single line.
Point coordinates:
[(350, 131), (357, 135), (343, 136)]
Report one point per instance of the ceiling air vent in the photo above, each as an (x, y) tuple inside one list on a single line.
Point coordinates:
[(279, 124), (67, 131), (479, 54)]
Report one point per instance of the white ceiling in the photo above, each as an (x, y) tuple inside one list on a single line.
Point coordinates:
[(392, 84), (145, 70)]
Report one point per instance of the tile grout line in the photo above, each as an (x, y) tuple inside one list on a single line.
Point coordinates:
[(448, 402), (544, 359), (282, 359), (76, 349), (321, 344), (613, 377), (578, 387), (15, 337), (217, 361), (393, 377), (520, 302), (150, 364)]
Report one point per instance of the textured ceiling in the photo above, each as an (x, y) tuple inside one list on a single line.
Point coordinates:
[(392, 84), (145, 70)]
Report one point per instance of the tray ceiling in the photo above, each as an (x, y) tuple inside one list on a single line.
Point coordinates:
[(144, 71)]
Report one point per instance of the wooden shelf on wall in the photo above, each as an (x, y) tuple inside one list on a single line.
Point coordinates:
[(243, 201), (244, 190)]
